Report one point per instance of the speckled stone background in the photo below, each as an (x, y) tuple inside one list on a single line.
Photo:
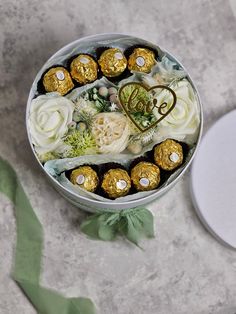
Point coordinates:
[(184, 270)]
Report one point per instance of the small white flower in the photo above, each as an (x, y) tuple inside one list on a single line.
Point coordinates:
[(48, 121), (87, 106), (113, 107)]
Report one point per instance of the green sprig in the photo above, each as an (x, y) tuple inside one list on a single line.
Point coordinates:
[(101, 104), (80, 143)]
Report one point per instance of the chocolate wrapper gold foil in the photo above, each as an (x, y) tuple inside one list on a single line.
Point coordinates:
[(116, 183), (145, 176), (57, 79), (141, 60), (85, 177), (84, 69), (168, 155), (112, 62)]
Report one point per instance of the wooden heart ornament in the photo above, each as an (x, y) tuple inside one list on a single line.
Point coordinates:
[(144, 106)]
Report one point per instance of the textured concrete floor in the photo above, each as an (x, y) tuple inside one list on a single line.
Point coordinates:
[(184, 270)]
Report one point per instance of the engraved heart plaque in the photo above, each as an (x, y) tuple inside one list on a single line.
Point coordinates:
[(144, 106)]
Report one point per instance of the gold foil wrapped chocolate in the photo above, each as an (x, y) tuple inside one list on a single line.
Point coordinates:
[(85, 177), (145, 176), (141, 60), (84, 69), (116, 183), (112, 62), (168, 155), (57, 79)]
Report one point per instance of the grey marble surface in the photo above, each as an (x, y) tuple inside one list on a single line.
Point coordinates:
[(184, 270)]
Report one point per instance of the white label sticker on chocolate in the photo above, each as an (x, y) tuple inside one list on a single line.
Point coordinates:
[(60, 75), (144, 182), (140, 61), (174, 157), (80, 179), (118, 56), (84, 60), (121, 184)]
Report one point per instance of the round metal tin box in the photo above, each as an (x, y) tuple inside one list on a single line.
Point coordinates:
[(81, 201)]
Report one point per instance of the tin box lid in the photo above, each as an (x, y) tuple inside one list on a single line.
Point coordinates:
[(213, 180)]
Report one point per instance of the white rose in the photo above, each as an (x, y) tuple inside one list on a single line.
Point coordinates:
[(182, 123), (48, 121)]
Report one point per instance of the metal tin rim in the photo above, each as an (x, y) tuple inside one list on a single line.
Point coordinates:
[(131, 203)]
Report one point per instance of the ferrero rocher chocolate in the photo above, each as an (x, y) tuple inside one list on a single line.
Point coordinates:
[(112, 62), (141, 60), (116, 183), (57, 79), (84, 69), (145, 176), (85, 177), (168, 155)]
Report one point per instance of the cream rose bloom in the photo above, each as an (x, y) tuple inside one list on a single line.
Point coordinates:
[(183, 121), (111, 132), (48, 121)]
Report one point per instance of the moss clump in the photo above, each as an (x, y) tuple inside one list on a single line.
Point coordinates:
[(48, 156), (80, 143)]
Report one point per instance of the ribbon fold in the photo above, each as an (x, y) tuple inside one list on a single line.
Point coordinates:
[(28, 255), (133, 224)]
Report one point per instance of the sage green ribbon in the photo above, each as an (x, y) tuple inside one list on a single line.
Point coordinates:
[(133, 224), (29, 251)]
